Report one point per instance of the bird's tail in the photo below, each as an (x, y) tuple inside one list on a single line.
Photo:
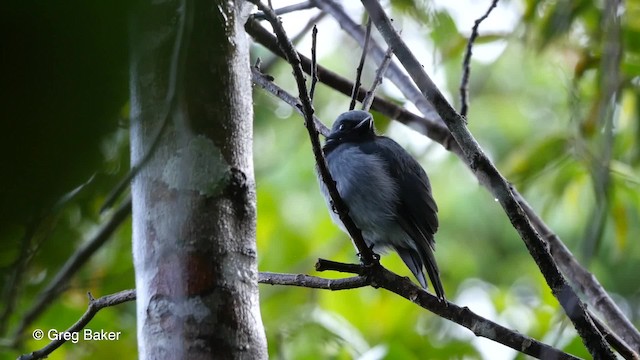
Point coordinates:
[(416, 260)]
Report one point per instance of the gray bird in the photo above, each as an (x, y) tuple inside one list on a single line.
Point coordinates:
[(387, 192)]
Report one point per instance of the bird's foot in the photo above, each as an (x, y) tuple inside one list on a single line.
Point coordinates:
[(376, 258)]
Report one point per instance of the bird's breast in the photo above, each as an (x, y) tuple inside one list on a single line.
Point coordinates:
[(365, 185)]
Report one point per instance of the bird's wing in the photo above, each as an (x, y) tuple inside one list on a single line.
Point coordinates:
[(417, 211)]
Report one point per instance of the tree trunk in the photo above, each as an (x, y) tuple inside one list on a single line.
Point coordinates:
[(194, 204)]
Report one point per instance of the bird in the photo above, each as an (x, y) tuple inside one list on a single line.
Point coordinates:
[(387, 192)]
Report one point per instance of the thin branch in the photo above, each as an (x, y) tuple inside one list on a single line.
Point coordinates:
[(365, 253), (266, 82), (368, 99), (73, 264), (314, 63), (296, 39), (363, 57), (477, 160), (395, 74), (466, 66), (325, 265), (309, 26), (379, 277), (312, 282), (432, 129), (286, 9), (95, 305)]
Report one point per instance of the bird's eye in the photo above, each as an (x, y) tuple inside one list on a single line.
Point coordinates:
[(341, 127)]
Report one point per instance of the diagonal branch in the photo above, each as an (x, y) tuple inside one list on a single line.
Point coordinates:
[(377, 81), (466, 66), (266, 82), (395, 74), (366, 254), (363, 57), (435, 130), (482, 165), (314, 63)]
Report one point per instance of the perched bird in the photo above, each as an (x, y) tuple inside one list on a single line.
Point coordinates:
[(387, 192)]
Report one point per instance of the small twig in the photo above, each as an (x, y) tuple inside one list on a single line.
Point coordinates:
[(286, 9), (326, 265), (466, 66), (368, 99), (314, 63), (432, 128), (363, 57), (95, 305), (296, 39), (313, 282), (73, 264), (266, 82), (309, 26), (395, 73), (366, 255)]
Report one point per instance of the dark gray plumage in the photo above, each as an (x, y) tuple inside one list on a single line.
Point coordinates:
[(387, 192)]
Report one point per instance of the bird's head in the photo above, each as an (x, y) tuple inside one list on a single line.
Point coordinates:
[(351, 126)]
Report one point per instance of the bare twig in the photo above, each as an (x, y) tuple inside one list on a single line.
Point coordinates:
[(296, 39), (368, 99), (95, 305), (73, 264), (365, 253), (313, 282), (363, 57), (324, 265), (312, 23), (482, 165), (395, 74), (435, 130), (314, 63), (466, 66), (304, 5), (266, 82)]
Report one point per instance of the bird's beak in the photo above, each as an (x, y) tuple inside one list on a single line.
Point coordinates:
[(365, 124)]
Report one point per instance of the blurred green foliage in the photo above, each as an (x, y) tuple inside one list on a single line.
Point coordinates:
[(533, 109)]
